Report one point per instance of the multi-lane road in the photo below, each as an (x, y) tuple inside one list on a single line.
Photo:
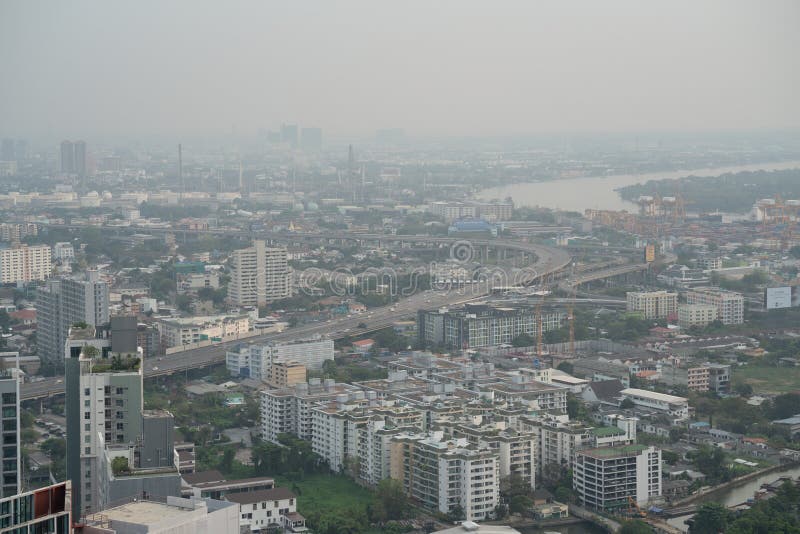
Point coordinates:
[(547, 260)]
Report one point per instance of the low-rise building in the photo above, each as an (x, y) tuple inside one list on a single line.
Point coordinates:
[(187, 330), (262, 509), (652, 304), (729, 304), (677, 407)]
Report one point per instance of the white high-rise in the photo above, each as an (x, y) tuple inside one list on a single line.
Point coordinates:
[(25, 264), (259, 274)]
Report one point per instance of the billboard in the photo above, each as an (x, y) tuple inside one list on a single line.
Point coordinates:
[(779, 297)]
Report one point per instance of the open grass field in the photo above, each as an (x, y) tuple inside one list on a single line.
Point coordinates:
[(768, 379), (325, 493)]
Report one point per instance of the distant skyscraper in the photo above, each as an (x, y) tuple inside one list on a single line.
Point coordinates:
[(8, 153), (311, 139), (67, 157), (289, 134), (62, 303), (73, 157), (9, 427)]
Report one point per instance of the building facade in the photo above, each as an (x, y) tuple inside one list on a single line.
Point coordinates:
[(729, 304), (653, 304), (701, 315), (255, 361), (259, 274), (10, 468), (23, 263)]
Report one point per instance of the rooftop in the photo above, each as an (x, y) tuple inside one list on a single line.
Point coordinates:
[(251, 497), (653, 395), (613, 452), (145, 512)]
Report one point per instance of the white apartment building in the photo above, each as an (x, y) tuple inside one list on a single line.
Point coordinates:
[(605, 478), (64, 252), (442, 474), (187, 330), (696, 315), (558, 439), (653, 304), (24, 263), (262, 509), (729, 304), (677, 407), (255, 361), (259, 274), (288, 410)]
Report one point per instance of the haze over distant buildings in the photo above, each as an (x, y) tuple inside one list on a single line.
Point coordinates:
[(92, 69)]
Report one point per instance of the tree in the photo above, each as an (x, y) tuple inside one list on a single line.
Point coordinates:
[(785, 405), (456, 513), (575, 407), (519, 504), (566, 367), (523, 340), (711, 518), (627, 404), (119, 465), (635, 527), (391, 500)]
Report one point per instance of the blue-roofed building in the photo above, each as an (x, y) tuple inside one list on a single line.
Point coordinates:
[(472, 227)]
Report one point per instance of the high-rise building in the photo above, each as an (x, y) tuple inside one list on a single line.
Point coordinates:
[(289, 134), (73, 157), (64, 302), (23, 263), (653, 304), (9, 427), (106, 422), (259, 274), (40, 511), (8, 153), (606, 478), (311, 139), (481, 325), (729, 304)]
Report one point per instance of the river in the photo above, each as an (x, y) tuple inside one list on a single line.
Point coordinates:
[(738, 494), (599, 192)]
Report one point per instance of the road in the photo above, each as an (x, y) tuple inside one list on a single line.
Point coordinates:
[(548, 260)]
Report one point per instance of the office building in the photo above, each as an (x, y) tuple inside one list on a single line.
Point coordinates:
[(701, 315), (441, 474), (73, 157), (10, 469), (259, 274), (23, 263), (653, 304), (729, 304), (311, 139), (40, 511), (606, 478), (481, 325), (64, 302), (289, 135), (115, 449), (255, 361)]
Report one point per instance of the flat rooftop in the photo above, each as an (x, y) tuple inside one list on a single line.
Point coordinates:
[(613, 452), (144, 512), (663, 397)]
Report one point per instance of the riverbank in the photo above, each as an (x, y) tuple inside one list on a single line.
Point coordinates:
[(738, 481)]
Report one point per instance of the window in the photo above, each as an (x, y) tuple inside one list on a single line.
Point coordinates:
[(120, 426), (87, 391), (87, 438), (87, 403), (9, 398), (87, 450), (87, 427), (87, 415)]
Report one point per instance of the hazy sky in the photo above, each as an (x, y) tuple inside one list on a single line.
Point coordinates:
[(90, 68)]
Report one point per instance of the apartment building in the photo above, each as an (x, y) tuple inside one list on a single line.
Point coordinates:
[(259, 274), (179, 331), (653, 304), (14, 232), (606, 478), (677, 407), (40, 511), (483, 325), (729, 304), (10, 468), (286, 374), (268, 508), (23, 263), (442, 474), (64, 302), (288, 410), (701, 315), (255, 361)]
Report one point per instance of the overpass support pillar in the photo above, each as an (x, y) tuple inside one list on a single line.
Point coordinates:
[(485, 253)]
